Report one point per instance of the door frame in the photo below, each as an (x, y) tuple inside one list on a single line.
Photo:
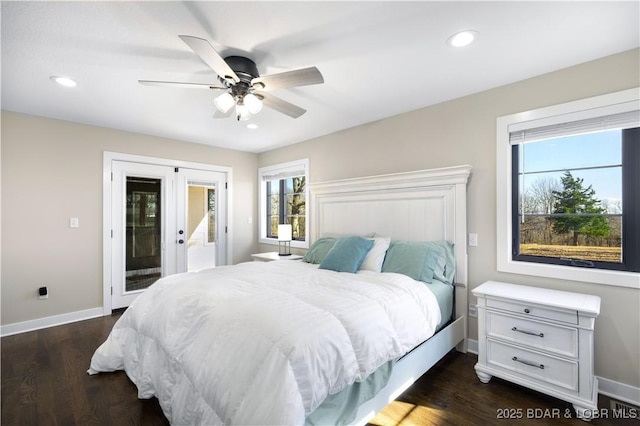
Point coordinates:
[(107, 241)]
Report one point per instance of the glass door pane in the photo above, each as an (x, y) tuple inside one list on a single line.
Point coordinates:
[(211, 214), (143, 235), (201, 226)]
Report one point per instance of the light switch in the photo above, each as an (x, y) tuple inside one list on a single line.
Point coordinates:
[(473, 240), (74, 222), (250, 220)]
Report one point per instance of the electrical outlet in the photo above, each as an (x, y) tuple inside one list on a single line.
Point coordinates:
[(473, 311), (43, 293)]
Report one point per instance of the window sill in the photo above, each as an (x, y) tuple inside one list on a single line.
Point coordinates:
[(571, 273)]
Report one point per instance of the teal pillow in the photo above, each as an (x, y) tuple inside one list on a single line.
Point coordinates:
[(319, 250), (422, 261), (347, 254), (445, 273)]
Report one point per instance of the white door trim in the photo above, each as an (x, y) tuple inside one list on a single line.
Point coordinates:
[(108, 158)]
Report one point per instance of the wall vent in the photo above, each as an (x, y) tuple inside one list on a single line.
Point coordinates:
[(624, 410)]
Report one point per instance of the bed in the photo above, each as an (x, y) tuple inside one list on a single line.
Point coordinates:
[(314, 341)]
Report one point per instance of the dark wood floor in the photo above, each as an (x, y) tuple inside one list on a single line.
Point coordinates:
[(451, 394), (44, 382)]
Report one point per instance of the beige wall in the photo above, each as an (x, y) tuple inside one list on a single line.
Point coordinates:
[(51, 171), (463, 131)]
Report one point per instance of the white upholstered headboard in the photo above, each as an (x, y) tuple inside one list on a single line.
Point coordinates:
[(425, 205)]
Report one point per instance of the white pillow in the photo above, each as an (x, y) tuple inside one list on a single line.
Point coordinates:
[(375, 258)]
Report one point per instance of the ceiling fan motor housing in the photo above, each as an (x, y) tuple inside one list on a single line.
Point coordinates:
[(245, 68)]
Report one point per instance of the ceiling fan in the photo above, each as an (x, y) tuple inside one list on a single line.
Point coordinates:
[(244, 88)]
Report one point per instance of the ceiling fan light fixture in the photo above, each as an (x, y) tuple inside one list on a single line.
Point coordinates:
[(462, 38), (253, 104), (242, 112), (224, 102)]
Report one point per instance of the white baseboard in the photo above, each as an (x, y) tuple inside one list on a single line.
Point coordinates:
[(619, 391), (472, 346), (37, 324), (610, 388)]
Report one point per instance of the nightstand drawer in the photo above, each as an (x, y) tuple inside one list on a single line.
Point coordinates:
[(533, 365), (567, 316), (544, 336)]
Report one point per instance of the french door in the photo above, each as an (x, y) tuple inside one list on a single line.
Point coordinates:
[(201, 219), (164, 220)]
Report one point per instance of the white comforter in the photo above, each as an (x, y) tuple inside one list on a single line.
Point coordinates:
[(263, 343)]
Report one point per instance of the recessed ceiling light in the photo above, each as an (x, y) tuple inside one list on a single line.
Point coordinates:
[(463, 38), (252, 126), (63, 81)]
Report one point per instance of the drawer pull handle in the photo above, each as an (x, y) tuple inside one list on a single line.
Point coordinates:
[(531, 333), (526, 310), (533, 364)]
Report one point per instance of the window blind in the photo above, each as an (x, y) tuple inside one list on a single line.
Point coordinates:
[(621, 120), (284, 172)]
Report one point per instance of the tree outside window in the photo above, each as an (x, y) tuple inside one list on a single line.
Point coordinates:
[(577, 211)]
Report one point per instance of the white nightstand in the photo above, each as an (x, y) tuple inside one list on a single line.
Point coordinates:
[(541, 339), (273, 255)]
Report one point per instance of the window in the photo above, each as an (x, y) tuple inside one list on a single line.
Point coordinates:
[(283, 200), (568, 176)]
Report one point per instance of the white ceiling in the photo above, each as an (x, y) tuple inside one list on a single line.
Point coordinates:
[(378, 59)]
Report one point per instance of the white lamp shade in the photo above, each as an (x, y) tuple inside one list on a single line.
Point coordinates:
[(242, 112), (224, 102), (252, 102), (284, 232)]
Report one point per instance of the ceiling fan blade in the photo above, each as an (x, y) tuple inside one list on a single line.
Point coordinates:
[(280, 105), (208, 54), (178, 84), (301, 77)]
